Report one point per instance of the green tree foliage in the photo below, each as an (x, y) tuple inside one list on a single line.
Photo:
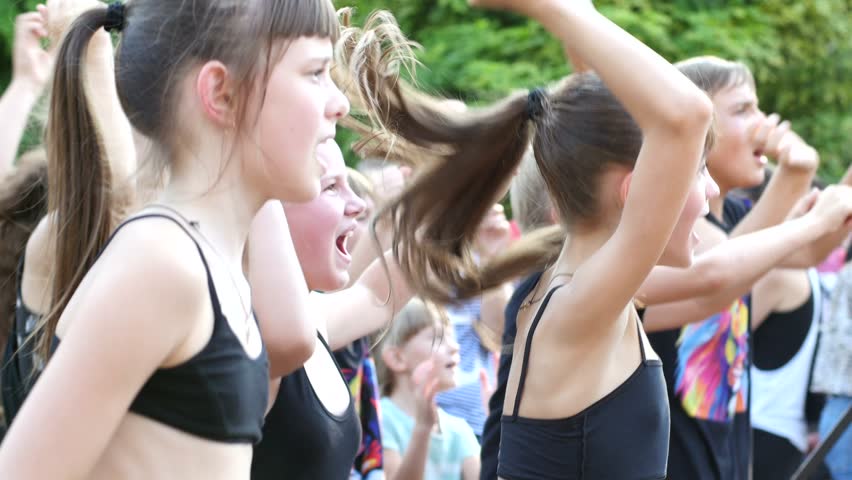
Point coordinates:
[(800, 52)]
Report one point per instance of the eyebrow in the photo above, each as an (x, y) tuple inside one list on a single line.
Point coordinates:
[(323, 59)]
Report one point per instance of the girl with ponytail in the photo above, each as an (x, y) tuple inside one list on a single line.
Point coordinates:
[(160, 371)]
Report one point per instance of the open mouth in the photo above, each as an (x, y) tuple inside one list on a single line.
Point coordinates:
[(342, 244)]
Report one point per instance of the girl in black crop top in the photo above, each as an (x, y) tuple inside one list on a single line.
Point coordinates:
[(621, 155), (161, 372)]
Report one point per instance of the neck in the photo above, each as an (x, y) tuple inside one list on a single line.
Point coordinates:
[(218, 200), (717, 204), (579, 246)]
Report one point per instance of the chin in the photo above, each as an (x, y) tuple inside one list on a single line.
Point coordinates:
[(330, 282)]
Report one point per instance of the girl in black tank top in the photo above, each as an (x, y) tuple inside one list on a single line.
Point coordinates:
[(302, 438), (621, 154), (623, 435)]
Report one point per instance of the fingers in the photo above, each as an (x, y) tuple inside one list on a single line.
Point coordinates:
[(764, 129), (32, 24), (423, 371), (430, 390), (777, 138), (484, 383)]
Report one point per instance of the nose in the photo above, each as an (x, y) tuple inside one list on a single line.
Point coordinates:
[(338, 105), (451, 343), (355, 205)]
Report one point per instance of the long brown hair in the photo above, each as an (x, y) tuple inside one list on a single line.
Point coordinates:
[(578, 129), (161, 40), (23, 203)]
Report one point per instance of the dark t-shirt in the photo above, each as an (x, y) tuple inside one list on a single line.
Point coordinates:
[(706, 365), (491, 430)]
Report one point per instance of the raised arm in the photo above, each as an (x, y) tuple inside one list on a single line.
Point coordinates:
[(742, 262), (31, 66), (816, 251), (797, 165), (674, 116), (365, 307), (273, 267)]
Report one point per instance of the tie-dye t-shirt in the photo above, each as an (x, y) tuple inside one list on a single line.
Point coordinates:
[(360, 373), (706, 365)]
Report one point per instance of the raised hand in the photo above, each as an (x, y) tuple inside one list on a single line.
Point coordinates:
[(32, 65), (59, 14), (834, 206), (428, 384), (779, 142), (494, 234)]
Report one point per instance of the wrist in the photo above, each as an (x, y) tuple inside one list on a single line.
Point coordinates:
[(814, 225), (422, 428), (785, 168)]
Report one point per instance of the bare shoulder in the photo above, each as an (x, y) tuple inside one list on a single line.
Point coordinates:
[(150, 275), (39, 253)]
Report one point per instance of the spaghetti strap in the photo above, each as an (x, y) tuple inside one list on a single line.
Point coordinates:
[(639, 333), (520, 390), (217, 308)]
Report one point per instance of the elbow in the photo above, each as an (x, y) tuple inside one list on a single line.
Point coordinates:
[(689, 113), (287, 357), (715, 275)]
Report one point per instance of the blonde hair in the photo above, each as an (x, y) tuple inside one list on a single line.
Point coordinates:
[(360, 184), (416, 316)]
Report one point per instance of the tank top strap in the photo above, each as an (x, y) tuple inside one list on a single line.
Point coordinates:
[(527, 346), (214, 297), (639, 332)]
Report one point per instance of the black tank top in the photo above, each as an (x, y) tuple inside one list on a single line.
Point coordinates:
[(782, 335), (302, 440), (219, 394), (623, 436)]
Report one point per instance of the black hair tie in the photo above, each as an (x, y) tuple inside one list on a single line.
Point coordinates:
[(535, 103), (114, 17)]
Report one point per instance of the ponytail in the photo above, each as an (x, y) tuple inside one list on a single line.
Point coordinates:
[(79, 195)]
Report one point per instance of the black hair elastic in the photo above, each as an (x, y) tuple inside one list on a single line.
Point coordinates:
[(114, 17), (535, 103)]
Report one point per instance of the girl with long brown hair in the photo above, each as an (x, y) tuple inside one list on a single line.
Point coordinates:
[(160, 367), (604, 143)]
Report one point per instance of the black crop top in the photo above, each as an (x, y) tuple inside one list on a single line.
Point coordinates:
[(623, 436), (219, 394)]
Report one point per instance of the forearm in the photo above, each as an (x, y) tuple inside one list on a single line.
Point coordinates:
[(102, 95), (742, 262), (15, 107), (784, 189), (367, 306), (492, 311), (665, 98), (413, 465), (816, 251)]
